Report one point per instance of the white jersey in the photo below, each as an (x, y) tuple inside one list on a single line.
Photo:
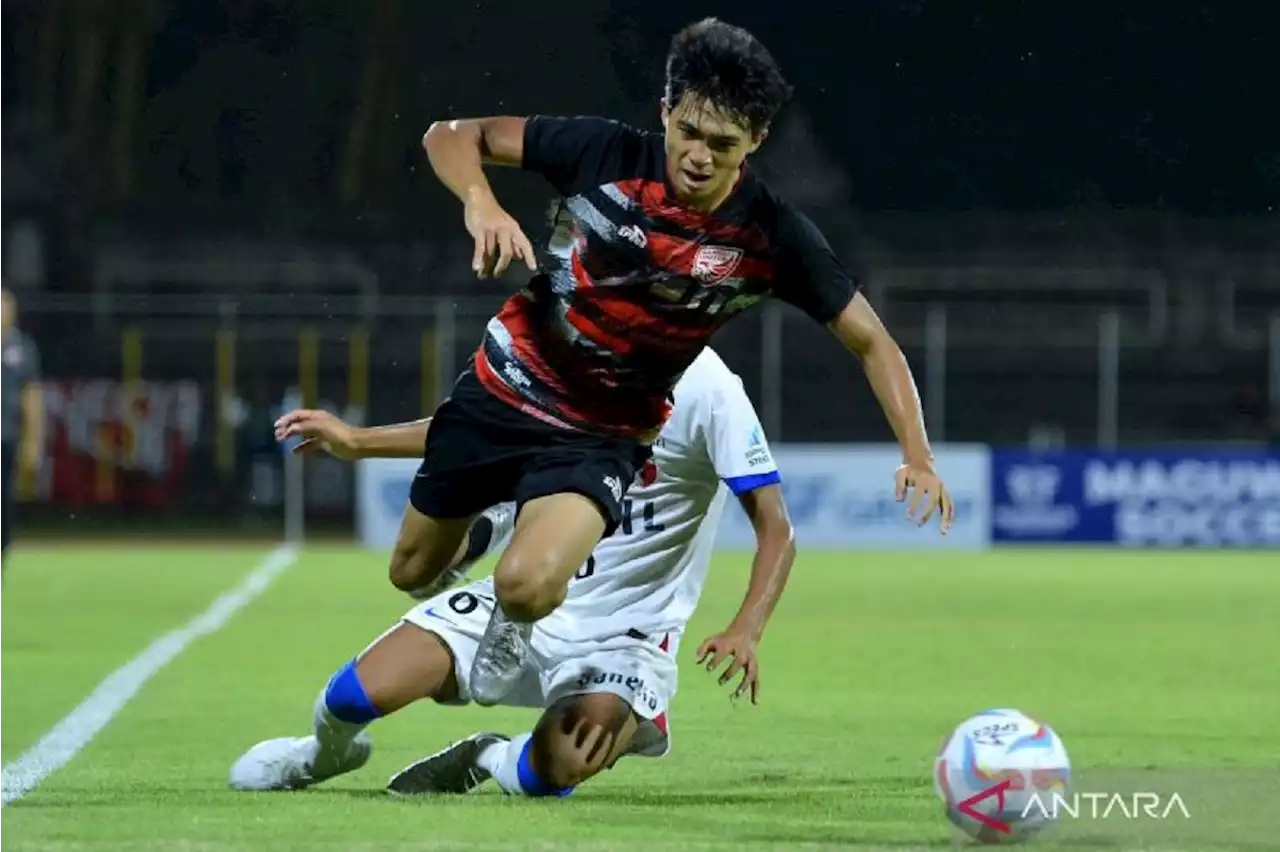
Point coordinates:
[(649, 574)]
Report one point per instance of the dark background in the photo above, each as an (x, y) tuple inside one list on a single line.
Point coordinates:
[(1013, 171)]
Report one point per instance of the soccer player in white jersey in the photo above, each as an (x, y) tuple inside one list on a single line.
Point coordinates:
[(603, 664)]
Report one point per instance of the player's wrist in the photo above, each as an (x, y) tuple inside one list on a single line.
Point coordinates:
[(748, 627), (479, 195), (918, 458), (357, 443)]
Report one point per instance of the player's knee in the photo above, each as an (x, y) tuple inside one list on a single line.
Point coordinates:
[(569, 770), (527, 587), (413, 566), (580, 736)]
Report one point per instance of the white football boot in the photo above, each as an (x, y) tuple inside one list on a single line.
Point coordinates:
[(295, 763)]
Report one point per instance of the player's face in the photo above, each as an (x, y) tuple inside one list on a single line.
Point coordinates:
[(705, 150)]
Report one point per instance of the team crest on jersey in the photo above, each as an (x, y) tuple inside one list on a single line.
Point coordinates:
[(713, 264)]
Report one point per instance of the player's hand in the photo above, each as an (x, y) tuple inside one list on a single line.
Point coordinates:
[(739, 650), (929, 495), (498, 237), (319, 430)]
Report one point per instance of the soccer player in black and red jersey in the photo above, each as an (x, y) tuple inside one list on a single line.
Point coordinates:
[(661, 239)]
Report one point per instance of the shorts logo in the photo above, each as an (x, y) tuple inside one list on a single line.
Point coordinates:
[(635, 685), (633, 235), (614, 484), (712, 264)]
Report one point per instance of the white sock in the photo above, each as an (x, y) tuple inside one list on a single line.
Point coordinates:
[(504, 762), (333, 734), (501, 761)]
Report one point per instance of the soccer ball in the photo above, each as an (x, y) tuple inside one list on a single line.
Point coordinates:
[(998, 774)]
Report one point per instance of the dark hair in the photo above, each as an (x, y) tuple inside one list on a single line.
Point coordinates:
[(728, 67)]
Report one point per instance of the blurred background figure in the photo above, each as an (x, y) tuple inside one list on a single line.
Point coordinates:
[(23, 413)]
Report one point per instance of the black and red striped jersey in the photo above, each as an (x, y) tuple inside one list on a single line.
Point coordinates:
[(637, 284)]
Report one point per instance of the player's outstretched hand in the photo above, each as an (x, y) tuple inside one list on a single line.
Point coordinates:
[(499, 239), (319, 430), (929, 495), (739, 650)]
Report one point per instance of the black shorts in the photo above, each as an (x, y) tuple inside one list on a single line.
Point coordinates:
[(481, 451)]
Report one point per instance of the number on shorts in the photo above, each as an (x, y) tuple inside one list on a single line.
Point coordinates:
[(586, 570), (463, 603)]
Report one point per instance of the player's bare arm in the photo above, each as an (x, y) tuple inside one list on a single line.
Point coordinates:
[(458, 151), (325, 431), (860, 329), (775, 553)]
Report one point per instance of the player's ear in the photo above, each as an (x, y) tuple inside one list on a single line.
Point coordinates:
[(757, 139), (665, 112)]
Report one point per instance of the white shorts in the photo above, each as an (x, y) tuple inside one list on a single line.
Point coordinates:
[(638, 669)]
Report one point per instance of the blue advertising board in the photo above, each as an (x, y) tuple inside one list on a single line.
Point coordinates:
[(839, 496), (1162, 498)]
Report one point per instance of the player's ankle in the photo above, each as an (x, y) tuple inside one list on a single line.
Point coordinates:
[(536, 781)]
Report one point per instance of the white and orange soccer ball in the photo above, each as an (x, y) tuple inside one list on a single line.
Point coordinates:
[(995, 773)]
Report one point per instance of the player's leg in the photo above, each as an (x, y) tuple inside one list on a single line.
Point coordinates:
[(418, 658), (425, 548), (464, 471), (602, 704), (411, 561), (567, 504), (577, 737)]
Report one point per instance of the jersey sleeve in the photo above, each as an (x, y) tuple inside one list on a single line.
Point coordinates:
[(737, 445), (576, 154), (810, 276)]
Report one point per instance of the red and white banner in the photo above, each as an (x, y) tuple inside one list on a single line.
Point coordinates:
[(108, 442)]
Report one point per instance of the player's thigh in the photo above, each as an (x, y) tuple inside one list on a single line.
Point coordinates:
[(580, 735), (404, 665), (568, 502), (553, 536), (469, 465)]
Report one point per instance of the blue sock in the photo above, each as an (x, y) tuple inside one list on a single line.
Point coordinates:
[(530, 782), (346, 699)]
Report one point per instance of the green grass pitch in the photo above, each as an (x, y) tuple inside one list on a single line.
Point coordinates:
[(1160, 670)]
